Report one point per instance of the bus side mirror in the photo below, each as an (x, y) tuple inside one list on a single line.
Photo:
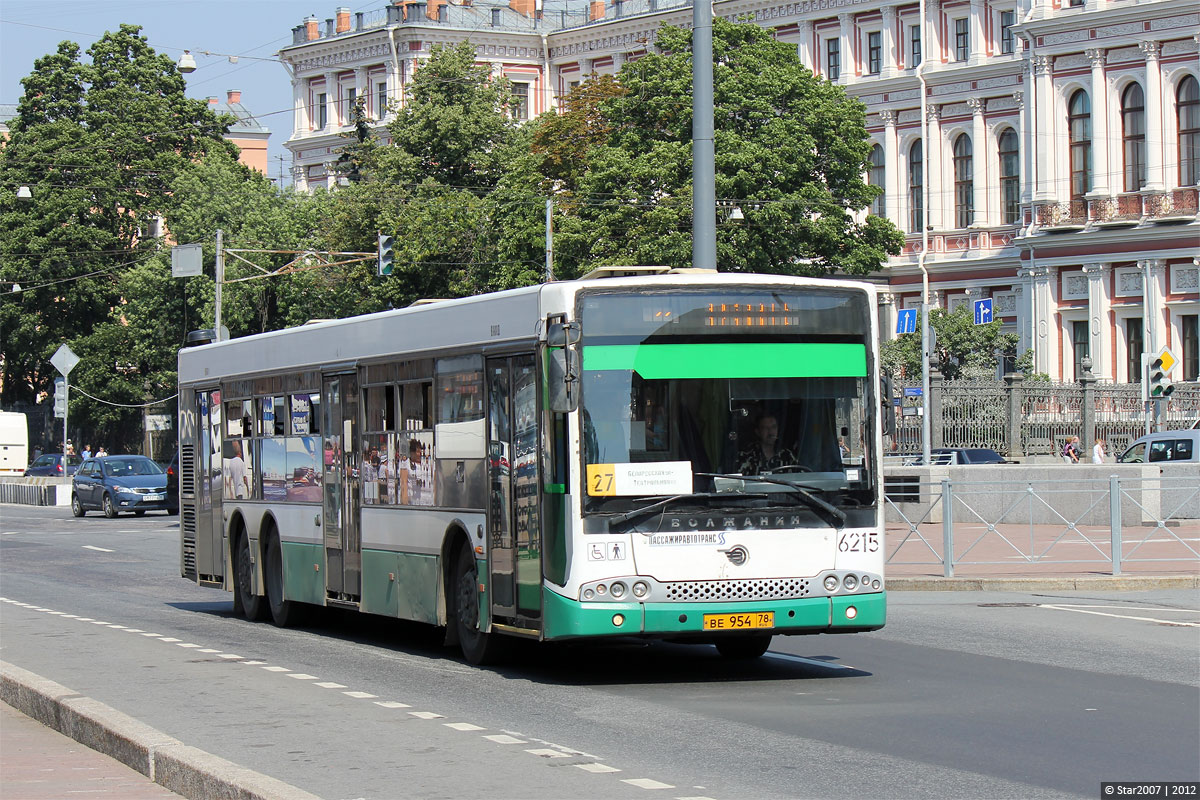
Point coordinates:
[(562, 384), (887, 407)]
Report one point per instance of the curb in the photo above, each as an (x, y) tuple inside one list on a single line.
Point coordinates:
[(1119, 583), (167, 761)]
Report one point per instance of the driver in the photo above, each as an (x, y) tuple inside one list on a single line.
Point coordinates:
[(765, 454)]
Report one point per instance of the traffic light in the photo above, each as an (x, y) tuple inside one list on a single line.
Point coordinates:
[(387, 253), (60, 397), (1160, 379)]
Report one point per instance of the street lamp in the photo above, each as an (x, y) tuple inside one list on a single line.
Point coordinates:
[(24, 194), (186, 63)]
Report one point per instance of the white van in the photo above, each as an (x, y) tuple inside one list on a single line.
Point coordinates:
[(14, 443), (1164, 446)]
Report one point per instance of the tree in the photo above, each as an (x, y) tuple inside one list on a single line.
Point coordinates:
[(791, 152), (964, 349)]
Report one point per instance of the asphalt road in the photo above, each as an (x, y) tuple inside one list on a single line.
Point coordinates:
[(963, 694)]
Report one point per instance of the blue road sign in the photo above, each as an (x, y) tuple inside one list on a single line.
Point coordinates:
[(983, 311), (913, 391), (906, 321)]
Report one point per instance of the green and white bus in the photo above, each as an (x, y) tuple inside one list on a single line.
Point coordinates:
[(677, 455)]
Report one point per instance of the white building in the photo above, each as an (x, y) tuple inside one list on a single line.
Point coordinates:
[(1064, 140)]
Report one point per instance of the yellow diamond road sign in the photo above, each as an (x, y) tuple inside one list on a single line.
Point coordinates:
[(1168, 360)]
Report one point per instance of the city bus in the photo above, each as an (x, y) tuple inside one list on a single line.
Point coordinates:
[(681, 455)]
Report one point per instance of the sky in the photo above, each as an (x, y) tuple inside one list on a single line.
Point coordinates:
[(253, 30)]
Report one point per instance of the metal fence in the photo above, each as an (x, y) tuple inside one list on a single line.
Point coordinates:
[(1109, 521), (1020, 418)]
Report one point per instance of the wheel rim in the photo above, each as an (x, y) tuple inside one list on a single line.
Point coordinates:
[(108, 505), (243, 576), (468, 607), (75, 505)]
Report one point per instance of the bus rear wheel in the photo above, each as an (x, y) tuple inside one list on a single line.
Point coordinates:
[(477, 647), (283, 612), (744, 647), (246, 601)]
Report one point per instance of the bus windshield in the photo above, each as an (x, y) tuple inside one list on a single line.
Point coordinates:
[(736, 400)]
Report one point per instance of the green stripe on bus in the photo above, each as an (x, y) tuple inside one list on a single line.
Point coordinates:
[(731, 359)]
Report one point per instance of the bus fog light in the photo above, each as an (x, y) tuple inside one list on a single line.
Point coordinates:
[(875, 584), (640, 589), (588, 594), (866, 581), (851, 612), (618, 620), (831, 583), (850, 582), (602, 589), (618, 590)]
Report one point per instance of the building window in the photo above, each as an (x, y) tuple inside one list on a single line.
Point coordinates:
[(1187, 110), (322, 112), (833, 59), (1007, 19), (914, 38), (964, 182), (1079, 345), (1076, 3), (962, 38), (381, 100), (916, 195), (1079, 125), (1133, 133), (874, 52), (1189, 325), (1135, 347), (351, 101), (520, 101), (1010, 178), (877, 176)]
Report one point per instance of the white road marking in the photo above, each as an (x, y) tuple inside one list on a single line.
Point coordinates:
[(360, 695), (1121, 616), (597, 768), (425, 715), (277, 669), (463, 726), (391, 704), (814, 662), (98, 549), (230, 656), (165, 638), (330, 685), (254, 663), (116, 627), (187, 644), (502, 738), (102, 622), (546, 752), (150, 635), (302, 676), (701, 797), (646, 783), (128, 630), (208, 650)]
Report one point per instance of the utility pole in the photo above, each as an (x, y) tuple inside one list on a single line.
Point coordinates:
[(704, 185), (220, 272), (549, 239)]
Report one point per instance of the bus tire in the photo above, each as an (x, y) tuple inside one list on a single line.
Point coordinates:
[(744, 647), (284, 613), (76, 506), (247, 602), (478, 648)]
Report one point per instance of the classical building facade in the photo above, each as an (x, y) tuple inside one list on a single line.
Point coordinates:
[(1060, 143)]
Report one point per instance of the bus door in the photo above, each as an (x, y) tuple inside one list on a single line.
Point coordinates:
[(206, 489), (514, 532), (343, 542)]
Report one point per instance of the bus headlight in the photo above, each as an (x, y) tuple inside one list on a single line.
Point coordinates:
[(875, 584), (617, 590), (588, 594), (831, 583), (640, 589), (850, 582)]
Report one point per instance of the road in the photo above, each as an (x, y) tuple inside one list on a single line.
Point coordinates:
[(962, 695)]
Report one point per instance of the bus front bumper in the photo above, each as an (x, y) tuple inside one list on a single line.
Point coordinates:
[(568, 619)]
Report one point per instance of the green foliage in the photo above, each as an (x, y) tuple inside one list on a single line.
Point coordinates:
[(964, 349)]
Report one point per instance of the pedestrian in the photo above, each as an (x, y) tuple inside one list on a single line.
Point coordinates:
[(70, 447), (1070, 451), (1098, 453), (87, 451), (101, 452)]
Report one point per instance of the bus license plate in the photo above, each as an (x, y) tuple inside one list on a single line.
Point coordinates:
[(739, 622)]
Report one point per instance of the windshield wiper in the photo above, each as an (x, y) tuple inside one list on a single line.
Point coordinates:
[(832, 513), (637, 512)]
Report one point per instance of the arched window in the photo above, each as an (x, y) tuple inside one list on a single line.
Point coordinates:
[(916, 181), (877, 176), (1187, 109), (964, 182), (1010, 178), (1079, 125), (1133, 134)]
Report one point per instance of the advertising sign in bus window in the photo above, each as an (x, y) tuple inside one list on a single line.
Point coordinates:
[(273, 466), (306, 414), (273, 416), (302, 473), (238, 469)]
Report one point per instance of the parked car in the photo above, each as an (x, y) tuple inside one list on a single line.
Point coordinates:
[(1165, 446), (51, 464), (173, 484), (944, 456), (114, 484)]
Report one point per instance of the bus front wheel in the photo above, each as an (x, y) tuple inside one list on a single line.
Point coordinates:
[(744, 647), (477, 647)]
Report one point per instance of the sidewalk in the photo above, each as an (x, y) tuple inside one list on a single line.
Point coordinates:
[(40, 763)]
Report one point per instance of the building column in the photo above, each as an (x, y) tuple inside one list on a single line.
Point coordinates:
[(1022, 307), (362, 90), (891, 57), (887, 315), (1100, 142), (804, 48), (1045, 348), (891, 167), (1023, 160), (1154, 307), (980, 152), (331, 102), (933, 25), (846, 36), (300, 121), (1043, 145), (933, 170), (978, 44), (1155, 180), (1099, 326)]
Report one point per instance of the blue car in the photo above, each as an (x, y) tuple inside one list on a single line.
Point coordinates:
[(113, 484), (51, 465)]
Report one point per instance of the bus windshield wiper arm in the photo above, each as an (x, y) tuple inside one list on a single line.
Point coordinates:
[(832, 513), (647, 509)]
